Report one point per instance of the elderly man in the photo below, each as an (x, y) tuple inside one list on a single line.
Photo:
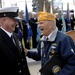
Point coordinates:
[(12, 56), (53, 42)]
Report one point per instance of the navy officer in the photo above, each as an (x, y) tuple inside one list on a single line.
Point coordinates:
[(12, 56)]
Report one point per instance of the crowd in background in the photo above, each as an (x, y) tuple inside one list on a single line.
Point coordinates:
[(22, 27), (32, 22), (69, 25)]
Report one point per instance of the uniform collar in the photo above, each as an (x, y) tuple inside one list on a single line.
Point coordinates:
[(8, 33), (51, 36)]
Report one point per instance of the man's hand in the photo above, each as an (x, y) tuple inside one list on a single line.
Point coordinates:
[(26, 51)]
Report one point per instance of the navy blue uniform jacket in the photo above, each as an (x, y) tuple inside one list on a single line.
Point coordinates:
[(63, 45), (12, 58)]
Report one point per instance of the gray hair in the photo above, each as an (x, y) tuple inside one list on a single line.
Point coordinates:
[(55, 23)]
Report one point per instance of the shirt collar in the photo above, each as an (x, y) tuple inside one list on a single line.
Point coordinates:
[(8, 33), (51, 36)]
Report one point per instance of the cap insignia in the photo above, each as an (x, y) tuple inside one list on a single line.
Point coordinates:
[(4, 14)]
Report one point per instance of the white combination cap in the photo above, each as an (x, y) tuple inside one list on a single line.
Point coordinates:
[(9, 12)]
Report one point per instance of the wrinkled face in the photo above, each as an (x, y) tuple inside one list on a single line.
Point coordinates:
[(9, 24), (46, 27)]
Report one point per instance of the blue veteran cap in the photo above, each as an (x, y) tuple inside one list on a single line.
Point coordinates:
[(9, 12)]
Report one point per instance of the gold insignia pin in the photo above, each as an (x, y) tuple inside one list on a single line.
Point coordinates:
[(56, 69), (54, 44), (42, 44), (52, 51)]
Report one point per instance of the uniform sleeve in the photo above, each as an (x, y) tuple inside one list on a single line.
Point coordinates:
[(67, 50)]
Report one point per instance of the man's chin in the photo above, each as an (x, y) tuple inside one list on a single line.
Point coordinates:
[(13, 30)]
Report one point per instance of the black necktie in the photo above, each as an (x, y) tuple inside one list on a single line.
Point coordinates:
[(46, 42), (46, 39)]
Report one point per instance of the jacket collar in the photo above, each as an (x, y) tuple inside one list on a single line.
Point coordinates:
[(52, 36)]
